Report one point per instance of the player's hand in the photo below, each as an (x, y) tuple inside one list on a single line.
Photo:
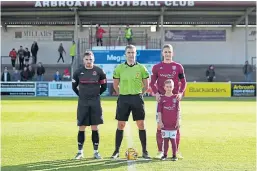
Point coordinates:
[(157, 97), (179, 96), (160, 124), (177, 125)]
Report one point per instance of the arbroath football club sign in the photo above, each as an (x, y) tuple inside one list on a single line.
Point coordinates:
[(113, 3)]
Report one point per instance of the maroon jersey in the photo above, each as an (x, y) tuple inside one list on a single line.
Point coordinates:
[(169, 109), (164, 71)]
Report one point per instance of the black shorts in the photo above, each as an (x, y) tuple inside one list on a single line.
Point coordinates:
[(128, 103), (90, 113)]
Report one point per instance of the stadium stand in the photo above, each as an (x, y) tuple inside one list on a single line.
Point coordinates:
[(157, 14)]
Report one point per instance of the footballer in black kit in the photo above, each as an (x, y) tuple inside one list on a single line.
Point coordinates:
[(89, 82)]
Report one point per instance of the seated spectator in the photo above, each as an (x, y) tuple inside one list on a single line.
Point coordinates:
[(25, 74), (66, 74), (57, 76), (210, 73), (31, 73), (6, 76), (16, 76), (26, 65), (40, 72)]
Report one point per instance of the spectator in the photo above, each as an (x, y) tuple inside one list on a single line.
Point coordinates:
[(66, 74), (26, 65), (128, 34), (26, 56), (119, 38), (13, 55), (31, 73), (61, 50), (21, 57), (248, 70), (16, 76), (99, 35), (40, 72), (57, 76), (6, 76), (34, 50), (210, 73), (24, 74), (72, 51)]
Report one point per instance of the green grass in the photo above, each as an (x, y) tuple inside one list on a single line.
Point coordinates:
[(40, 134)]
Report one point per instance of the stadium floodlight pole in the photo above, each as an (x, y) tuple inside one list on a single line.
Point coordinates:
[(246, 37), (162, 30), (75, 38)]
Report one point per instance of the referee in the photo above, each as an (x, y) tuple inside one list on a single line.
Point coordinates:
[(130, 81), (91, 83)]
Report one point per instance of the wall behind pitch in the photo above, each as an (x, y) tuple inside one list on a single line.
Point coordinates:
[(231, 51), (48, 49)]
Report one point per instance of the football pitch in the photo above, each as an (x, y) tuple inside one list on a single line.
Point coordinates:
[(40, 134)]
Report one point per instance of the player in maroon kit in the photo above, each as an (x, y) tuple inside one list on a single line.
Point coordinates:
[(168, 114), (167, 69)]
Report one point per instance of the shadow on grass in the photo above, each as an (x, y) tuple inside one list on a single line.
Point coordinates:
[(88, 164), (113, 98)]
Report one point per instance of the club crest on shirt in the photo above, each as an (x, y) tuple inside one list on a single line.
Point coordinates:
[(137, 75), (174, 100), (161, 68), (94, 73), (174, 67)]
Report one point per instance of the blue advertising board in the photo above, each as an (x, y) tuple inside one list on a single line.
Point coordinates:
[(42, 89), (118, 56)]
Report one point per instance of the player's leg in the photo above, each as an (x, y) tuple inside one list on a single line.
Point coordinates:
[(81, 123), (96, 118), (138, 112), (122, 114), (174, 148), (165, 148), (159, 139), (179, 155), (81, 140), (95, 140)]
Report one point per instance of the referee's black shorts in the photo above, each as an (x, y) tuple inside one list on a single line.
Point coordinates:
[(89, 112), (128, 103)]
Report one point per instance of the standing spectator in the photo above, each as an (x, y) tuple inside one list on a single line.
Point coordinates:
[(128, 34), (61, 50), (26, 56), (72, 51), (13, 55), (57, 76), (24, 74), (21, 57), (99, 35), (16, 76), (6, 76), (248, 70), (31, 73), (40, 72), (210, 73), (119, 38), (34, 50)]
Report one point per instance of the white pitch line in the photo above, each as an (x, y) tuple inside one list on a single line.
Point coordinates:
[(131, 163)]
